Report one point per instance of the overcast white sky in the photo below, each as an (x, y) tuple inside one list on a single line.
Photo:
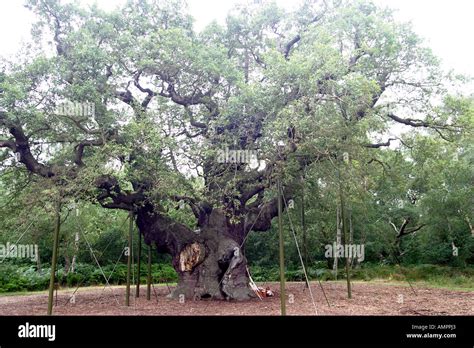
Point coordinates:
[(446, 24)]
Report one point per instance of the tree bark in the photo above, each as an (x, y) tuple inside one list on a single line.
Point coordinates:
[(209, 261), (76, 251)]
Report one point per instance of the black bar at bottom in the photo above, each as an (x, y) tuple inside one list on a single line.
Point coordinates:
[(186, 330)]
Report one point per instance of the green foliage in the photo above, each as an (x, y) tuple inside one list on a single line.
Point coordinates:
[(436, 275), (237, 80), (15, 278), (22, 278), (430, 274)]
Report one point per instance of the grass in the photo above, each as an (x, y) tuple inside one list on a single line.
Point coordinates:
[(421, 275), (434, 276), (415, 284)]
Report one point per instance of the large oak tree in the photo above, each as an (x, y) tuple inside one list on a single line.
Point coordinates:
[(297, 88)]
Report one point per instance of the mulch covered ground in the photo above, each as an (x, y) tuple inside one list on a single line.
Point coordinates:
[(368, 298)]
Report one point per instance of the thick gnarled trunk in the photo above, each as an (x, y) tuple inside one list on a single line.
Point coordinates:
[(209, 261)]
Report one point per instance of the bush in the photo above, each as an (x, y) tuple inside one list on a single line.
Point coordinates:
[(14, 277), (73, 279), (263, 274), (22, 278)]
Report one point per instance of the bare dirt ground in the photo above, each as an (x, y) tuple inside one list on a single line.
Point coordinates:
[(368, 299)]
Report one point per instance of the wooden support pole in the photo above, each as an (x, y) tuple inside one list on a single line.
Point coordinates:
[(56, 282), (282, 253), (148, 278), (346, 240), (54, 260), (338, 239), (351, 232), (129, 260), (139, 257), (303, 228)]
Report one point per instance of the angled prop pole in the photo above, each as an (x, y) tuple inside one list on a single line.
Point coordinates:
[(54, 260), (148, 278), (139, 257), (129, 260), (282, 253), (303, 227), (345, 234)]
